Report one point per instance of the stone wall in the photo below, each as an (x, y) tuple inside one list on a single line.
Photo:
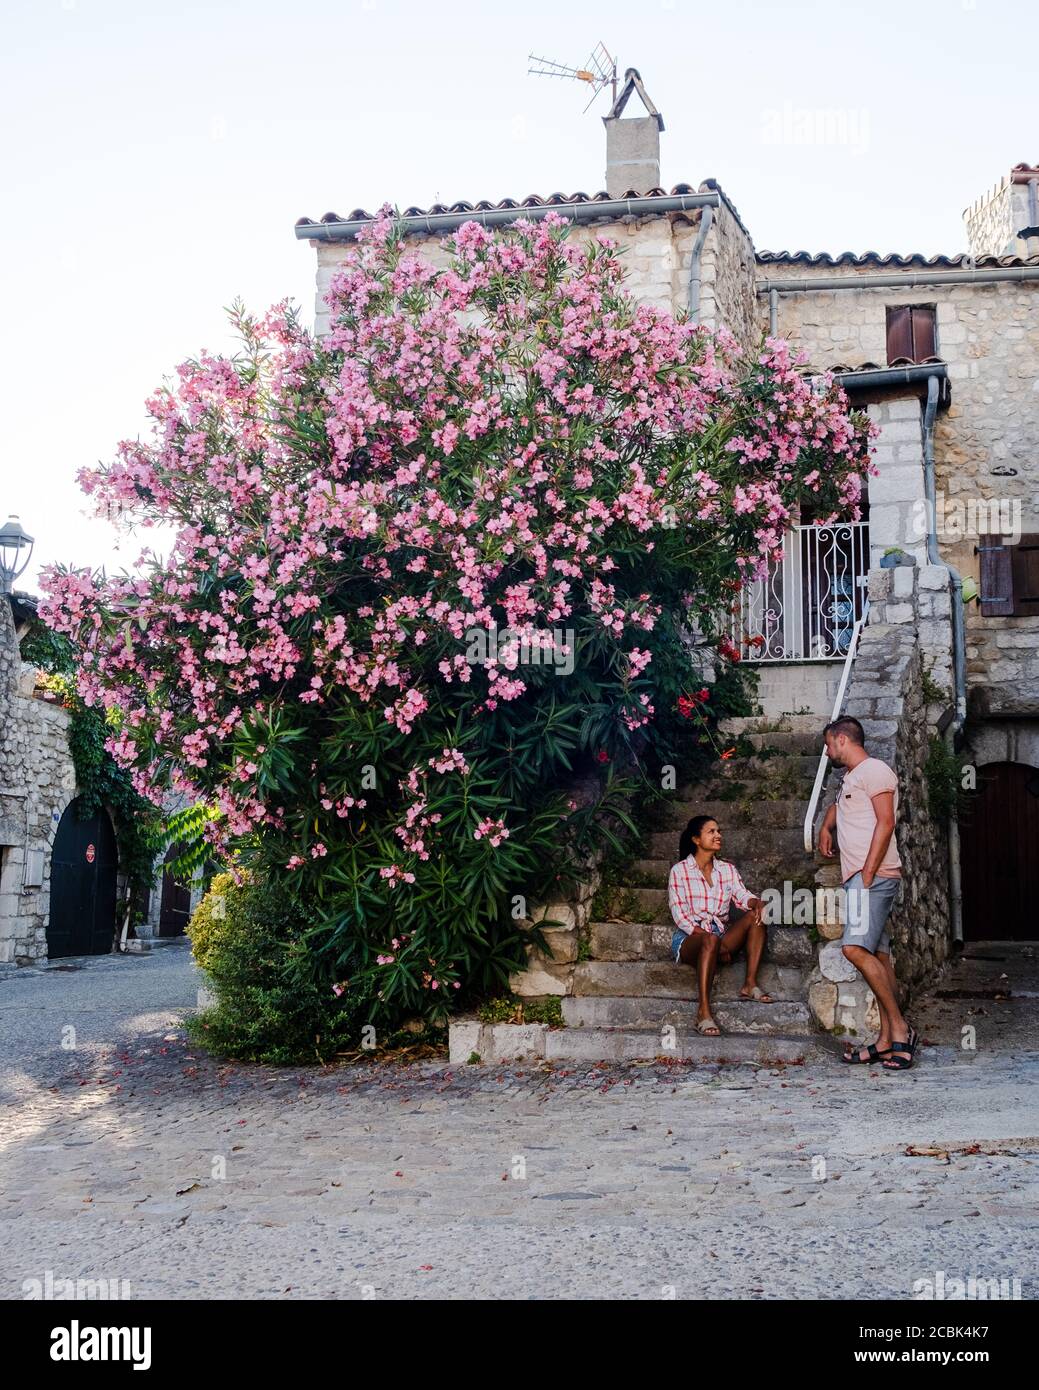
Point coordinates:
[(989, 337), (657, 256), (990, 221), (908, 635), (551, 972), (37, 782), (727, 279)]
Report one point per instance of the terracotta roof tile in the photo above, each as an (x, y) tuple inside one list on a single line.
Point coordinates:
[(532, 200), (874, 258)]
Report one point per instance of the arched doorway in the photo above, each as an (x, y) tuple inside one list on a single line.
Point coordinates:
[(999, 854), (82, 898), (175, 905)]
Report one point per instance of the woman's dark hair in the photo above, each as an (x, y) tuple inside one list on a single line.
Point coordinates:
[(695, 827)]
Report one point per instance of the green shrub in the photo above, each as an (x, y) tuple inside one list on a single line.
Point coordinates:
[(271, 1006)]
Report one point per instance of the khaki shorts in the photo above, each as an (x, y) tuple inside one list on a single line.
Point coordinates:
[(867, 911)]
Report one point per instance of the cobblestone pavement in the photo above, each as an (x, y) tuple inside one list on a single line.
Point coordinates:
[(133, 1158)]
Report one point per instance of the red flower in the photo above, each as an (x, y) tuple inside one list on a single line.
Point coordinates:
[(726, 648), (728, 753), (602, 756), (755, 641)]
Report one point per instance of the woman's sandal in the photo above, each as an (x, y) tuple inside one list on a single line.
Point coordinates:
[(874, 1056), (708, 1027), (756, 993)]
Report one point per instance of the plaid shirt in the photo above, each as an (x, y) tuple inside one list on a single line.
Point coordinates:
[(696, 903)]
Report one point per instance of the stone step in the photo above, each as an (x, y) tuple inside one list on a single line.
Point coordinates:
[(758, 723), (470, 1040), (757, 873), (784, 812), (787, 1017), (641, 941), (782, 764), (632, 1045), (665, 980), (759, 839), (806, 744)]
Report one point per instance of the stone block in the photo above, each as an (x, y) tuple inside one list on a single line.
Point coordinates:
[(835, 966), (903, 581), (561, 914), (934, 577), (880, 585), (899, 613), (466, 1036), (512, 1041), (562, 947), (540, 979), (822, 1000)]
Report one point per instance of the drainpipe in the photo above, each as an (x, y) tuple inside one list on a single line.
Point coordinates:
[(706, 218), (874, 280), (959, 648)]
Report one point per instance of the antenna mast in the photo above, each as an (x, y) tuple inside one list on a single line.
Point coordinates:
[(600, 69)]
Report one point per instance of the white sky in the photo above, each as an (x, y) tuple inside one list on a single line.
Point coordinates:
[(158, 154)]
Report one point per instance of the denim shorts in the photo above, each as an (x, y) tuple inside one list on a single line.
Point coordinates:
[(867, 912), (677, 937)]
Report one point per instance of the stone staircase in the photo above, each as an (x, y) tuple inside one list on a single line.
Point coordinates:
[(629, 1000), (625, 998)]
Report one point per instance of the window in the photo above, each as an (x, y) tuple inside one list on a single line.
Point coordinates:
[(911, 333), (1009, 584)]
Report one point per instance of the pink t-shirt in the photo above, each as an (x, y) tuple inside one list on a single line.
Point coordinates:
[(857, 818)]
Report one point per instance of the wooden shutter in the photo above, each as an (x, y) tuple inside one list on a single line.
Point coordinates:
[(996, 590), (923, 333), (911, 335), (899, 334), (1024, 575)]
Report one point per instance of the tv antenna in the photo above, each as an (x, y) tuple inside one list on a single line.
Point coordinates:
[(600, 69)]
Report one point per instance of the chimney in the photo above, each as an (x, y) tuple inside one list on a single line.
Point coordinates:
[(632, 145), (1005, 221)]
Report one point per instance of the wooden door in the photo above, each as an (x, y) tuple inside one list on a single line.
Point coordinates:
[(999, 855), (175, 905), (82, 891)]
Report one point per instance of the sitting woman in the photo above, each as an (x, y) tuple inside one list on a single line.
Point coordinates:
[(699, 891)]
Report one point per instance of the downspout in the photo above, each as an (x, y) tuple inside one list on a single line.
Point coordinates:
[(959, 649), (706, 218), (773, 313)]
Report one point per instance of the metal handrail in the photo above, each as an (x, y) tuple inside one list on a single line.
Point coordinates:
[(838, 706)]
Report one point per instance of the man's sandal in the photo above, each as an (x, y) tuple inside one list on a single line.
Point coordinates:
[(903, 1063), (874, 1056), (708, 1027)]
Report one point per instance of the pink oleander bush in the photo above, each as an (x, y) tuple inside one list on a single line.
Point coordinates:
[(507, 439)]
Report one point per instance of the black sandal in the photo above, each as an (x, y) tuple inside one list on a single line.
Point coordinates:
[(874, 1056), (897, 1063)]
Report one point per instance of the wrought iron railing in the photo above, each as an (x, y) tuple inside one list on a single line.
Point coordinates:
[(807, 606)]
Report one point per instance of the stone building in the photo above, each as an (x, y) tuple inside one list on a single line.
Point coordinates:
[(60, 881), (944, 354)]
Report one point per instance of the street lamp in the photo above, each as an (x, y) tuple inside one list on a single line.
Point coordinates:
[(12, 540)]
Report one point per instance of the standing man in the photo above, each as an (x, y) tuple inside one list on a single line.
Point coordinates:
[(864, 814)]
